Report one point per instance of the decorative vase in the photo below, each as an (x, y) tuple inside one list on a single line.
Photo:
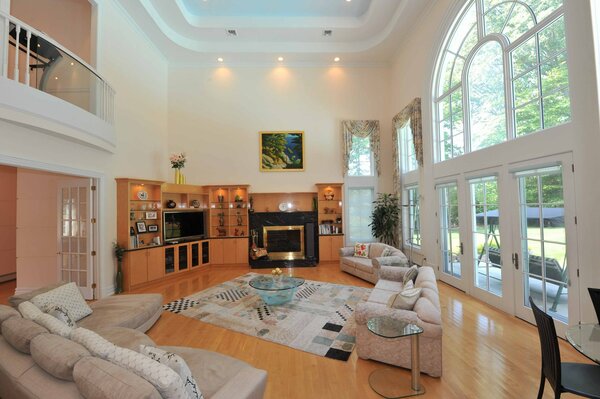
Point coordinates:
[(179, 177), (119, 279)]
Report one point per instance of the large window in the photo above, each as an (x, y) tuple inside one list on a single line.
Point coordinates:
[(360, 205), (502, 74), (360, 162), (412, 215), (408, 157)]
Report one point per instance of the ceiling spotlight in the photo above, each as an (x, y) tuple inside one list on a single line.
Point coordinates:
[(327, 32), (348, 1), (231, 32), (56, 78), (279, 59), (72, 63), (220, 59), (336, 59)]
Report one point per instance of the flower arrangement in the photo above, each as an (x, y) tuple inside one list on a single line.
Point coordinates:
[(276, 272), (177, 160)]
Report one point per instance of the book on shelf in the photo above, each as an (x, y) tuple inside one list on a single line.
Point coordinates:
[(329, 229)]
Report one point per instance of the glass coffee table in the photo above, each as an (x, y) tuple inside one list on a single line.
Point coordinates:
[(276, 291), (387, 382)]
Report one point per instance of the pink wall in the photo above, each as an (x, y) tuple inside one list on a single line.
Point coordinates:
[(8, 222), (66, 21)]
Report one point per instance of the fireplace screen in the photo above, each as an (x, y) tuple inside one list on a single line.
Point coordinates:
[(284, 242)]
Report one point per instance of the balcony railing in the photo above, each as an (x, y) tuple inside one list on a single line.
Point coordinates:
[(30, 57)]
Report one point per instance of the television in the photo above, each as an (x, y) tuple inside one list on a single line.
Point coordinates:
[(184, 225)]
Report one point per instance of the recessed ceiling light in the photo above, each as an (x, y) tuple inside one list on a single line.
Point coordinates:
[(220, 59), (56, 78), (231, 32), (348, 1), (327, 32), (72, 63), (279, 59), (336, 59)]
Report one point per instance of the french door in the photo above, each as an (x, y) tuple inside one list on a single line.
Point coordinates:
[(451, 245), (75, 233), (545, 223)]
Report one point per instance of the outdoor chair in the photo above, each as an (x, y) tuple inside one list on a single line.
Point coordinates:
[(577, 378)]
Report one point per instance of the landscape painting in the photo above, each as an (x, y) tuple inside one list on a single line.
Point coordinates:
[(281, 151)]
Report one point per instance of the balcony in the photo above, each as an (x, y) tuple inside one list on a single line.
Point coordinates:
[(45, 86)]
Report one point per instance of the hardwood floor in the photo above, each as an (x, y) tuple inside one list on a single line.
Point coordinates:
[(486, 353)]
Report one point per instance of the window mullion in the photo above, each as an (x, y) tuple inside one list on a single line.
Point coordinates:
[(480, 21), (509, 96)]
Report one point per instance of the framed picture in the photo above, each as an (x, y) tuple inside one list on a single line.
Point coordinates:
[(152, 228), (151, 215), (141, 227), (281, 151)]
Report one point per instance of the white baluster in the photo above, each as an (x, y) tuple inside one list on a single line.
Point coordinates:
[(17, 37), (4, 46), (27, 70)]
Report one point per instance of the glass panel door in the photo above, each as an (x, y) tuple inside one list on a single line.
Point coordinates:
[(450, 243), (485, 223)]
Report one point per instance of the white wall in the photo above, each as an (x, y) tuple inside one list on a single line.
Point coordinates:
[(138, 73), (215, 115), (411, 76)]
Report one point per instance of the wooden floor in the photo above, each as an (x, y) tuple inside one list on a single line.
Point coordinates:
[(486, 353)]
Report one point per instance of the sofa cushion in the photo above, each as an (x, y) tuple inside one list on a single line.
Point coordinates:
[(388, 285), (57, 355), (19, 332), (386, 252), (125, 337), (28, 310), (6, 312), (99, 379), (380, 296), (122, 311), (15, 300), (361, 250), (376, 249), (211, 370), (406, 299), (178, 365), (364, 264), (53, 325), (68, 296), (427, 311)]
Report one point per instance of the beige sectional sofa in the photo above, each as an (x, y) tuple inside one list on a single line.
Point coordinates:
[(368, 268), (426, 314), (25, 371)]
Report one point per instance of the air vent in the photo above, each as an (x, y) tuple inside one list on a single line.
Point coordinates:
[(327, 32), (231, 32)]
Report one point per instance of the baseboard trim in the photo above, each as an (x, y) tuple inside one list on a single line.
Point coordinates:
[(8, 277), (107, 291), (24, 290)]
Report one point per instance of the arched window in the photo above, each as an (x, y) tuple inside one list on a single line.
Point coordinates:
[(502, 74)]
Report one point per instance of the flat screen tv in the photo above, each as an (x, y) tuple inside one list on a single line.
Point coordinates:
[(184, 225)]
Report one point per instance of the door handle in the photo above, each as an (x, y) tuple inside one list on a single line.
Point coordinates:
[(515, 259), (461, 249)]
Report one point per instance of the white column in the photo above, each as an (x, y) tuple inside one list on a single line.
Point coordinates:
[(5, 6)]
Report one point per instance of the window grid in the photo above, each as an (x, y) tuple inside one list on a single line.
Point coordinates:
[(413, 213), (407, 149), (519, 24)]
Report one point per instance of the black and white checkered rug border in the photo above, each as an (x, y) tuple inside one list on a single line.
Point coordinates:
[(179, 305)]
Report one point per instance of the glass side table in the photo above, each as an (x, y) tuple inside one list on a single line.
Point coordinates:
[(385, 381)]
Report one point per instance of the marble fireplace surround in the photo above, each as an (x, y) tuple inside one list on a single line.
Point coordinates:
[(309, 220)]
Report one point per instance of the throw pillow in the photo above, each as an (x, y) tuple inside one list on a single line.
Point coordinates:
[(93, 342), (61, 314), (67, 296), (178, 365), (29, 311), (405, 300), (387, 252), (361, 250), (56, 355), (53, 325), (411, 274), (19, 332)]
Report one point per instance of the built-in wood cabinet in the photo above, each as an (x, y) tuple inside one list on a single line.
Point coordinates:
[(143, 266), (329, 247), (229, 251), (228, 211)]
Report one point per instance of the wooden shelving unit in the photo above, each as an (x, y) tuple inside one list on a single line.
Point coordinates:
[(185, 195), (331, 222), (270, 202), (228, 211)]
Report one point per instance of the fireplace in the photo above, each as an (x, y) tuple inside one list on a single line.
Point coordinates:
[(284, 242)]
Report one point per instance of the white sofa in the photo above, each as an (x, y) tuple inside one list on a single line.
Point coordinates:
[(368, 268)]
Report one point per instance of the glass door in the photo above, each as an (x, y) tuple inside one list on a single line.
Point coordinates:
[(541, 260), (451, 246)]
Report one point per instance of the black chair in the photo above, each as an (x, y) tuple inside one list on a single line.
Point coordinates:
[(578, 378), (595, 294)]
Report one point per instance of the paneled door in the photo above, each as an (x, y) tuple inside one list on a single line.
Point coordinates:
[(544, 268), (75, 233)]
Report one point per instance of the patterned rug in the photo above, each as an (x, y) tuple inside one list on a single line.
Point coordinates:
[(318, 320)]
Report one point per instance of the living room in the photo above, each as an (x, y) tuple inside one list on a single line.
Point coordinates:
[(180, 86)]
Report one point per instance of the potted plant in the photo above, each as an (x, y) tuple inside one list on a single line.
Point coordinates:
[(385, 218), (119, 252)]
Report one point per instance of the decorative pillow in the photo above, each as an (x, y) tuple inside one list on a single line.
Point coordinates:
[(405, 300), (361, 250), (93, 342), (178, 365), (15, 300), (19, 332), (67, 296), (28, 310), (166, 381), (387, 252), (61, 313), (53, 325), (411, 274), (57, 355)]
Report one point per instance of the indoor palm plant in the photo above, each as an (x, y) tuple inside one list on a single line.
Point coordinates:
[(119, 252), (385, 218)]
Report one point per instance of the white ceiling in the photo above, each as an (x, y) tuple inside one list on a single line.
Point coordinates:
[(195, 31)]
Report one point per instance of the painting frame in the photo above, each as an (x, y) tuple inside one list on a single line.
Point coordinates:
[(141, 227), (291, 140)]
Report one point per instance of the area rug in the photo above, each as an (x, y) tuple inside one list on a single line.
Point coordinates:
[(319, 320)]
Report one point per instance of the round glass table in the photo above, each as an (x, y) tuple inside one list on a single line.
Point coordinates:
[(388, 382), (276, 290), (586, 339)]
